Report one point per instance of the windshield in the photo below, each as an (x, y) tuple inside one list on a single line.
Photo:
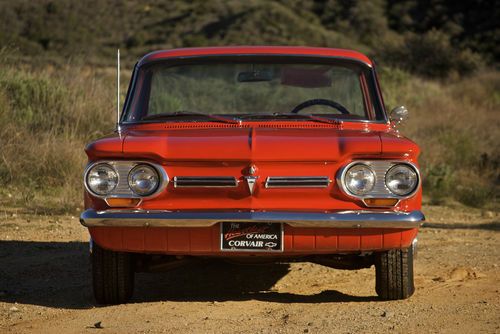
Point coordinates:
[(250, 90)]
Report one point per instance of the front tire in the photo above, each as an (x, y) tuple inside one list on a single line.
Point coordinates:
[(394, 274), (112, 275)]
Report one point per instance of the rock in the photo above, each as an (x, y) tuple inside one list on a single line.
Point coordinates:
[(14, 309), (488, 214), (306, 330), (98, 325), (385, 314), (459, 274), (477, 274)]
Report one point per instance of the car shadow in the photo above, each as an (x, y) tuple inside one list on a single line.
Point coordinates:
[(57, 274), (217, 280)]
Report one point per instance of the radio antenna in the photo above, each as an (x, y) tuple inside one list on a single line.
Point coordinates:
[(118, 89)]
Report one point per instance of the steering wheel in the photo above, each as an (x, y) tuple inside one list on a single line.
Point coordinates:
[(321, 102)]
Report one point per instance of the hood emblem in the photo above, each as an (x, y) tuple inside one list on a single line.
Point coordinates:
[(252, 169), (251, 180)]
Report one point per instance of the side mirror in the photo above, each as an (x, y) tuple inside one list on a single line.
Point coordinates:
[(398, 115)]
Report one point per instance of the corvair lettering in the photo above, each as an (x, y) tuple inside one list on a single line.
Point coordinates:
[(245, 243)]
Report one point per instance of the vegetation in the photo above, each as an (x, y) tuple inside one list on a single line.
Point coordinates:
[(46, 117), (456, 125), (440, 58)]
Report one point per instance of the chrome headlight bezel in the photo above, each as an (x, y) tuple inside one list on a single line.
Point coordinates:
[(380, 168), (123, 168), (145, 167), (370, 180), (94, 167), (408, 167)]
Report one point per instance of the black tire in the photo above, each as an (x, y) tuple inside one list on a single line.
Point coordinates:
[(112, 275), (394, 274)]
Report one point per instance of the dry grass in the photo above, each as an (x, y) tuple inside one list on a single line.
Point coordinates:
[(47, 116), (456, 123)]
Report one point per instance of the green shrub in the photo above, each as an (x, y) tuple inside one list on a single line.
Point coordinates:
[(475, 195), (46, 118), (35, 102), (430, 54), (438, 181)]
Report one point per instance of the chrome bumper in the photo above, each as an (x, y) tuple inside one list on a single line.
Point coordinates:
[(337, 219)]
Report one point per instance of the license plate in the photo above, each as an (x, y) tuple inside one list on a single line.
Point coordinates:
[(253, 237)]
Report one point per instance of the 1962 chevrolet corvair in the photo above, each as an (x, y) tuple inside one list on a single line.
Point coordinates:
[(253, 154)]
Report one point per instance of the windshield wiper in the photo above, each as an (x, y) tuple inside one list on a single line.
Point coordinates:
[(232, 120), (320, 119)]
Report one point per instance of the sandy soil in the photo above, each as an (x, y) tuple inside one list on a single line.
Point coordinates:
[(45, 287)]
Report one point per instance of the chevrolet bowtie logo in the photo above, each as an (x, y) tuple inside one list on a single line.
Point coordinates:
[(251, 180)]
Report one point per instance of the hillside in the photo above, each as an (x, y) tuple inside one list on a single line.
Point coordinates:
[(431, 37)]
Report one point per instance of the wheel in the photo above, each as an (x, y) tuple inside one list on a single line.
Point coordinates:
[(112, 275), (394, 274)]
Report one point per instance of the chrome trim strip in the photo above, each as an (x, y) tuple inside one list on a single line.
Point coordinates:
[(123, 190), (334, 219), (414, 246), (205, 182), (380, 168), (297, 182)]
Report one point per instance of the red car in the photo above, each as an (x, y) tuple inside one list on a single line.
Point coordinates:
[(253, 154)]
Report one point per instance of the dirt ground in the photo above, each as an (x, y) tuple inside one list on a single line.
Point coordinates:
[(45, 287)]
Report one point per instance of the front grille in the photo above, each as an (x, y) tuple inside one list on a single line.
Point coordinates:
[(297, 182), (205, 181)]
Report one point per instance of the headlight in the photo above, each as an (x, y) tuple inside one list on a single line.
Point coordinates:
[(102, 179), (143, 180), (359, 179), (401, 179)]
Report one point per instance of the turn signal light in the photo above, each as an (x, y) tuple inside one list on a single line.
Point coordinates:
[(381, 201), (123, 202)]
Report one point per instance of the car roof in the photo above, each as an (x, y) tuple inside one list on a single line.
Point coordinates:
[(256, 50)]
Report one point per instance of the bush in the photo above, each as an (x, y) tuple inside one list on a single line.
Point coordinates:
[(438, 181), (45, 121), (475, 195), (430, 54)]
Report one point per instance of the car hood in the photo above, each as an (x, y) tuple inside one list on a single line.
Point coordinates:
[(250, 144)]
